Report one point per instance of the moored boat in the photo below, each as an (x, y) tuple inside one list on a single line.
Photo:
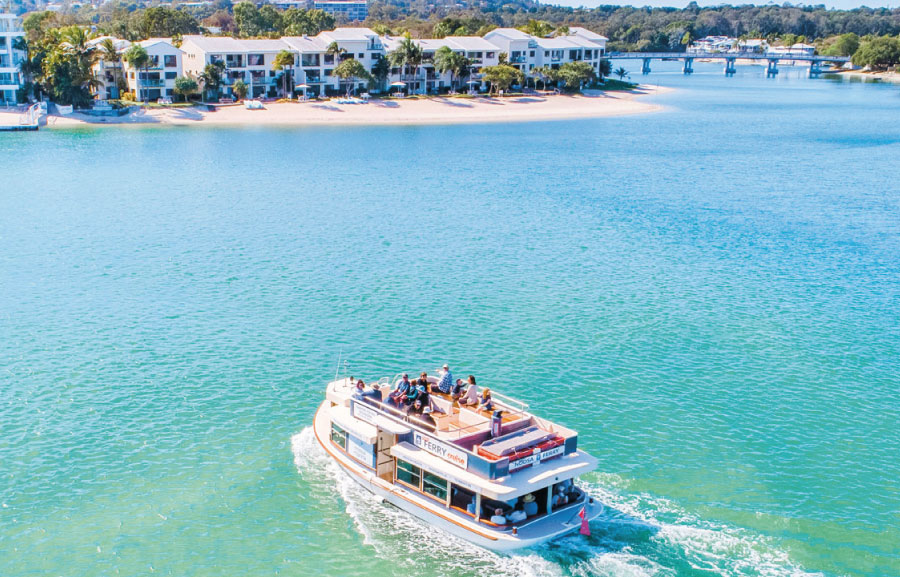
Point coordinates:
[(503, 479)]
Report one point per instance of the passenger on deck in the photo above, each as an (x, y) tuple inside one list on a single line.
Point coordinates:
[(446, 382), (530, 505), (422, 388), (373, 395), (360, 388), (486, 403), (457, 390), (415, 409), (398, 395), (498, 518), (470, 397), (426, 420)]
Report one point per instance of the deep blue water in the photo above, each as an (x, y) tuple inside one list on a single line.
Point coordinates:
[(710, 294)]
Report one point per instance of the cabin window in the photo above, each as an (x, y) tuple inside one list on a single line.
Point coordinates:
[(409, 474), (435, 486), (338, 436)]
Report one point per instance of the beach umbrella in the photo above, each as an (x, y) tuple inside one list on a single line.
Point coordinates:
[(473, 82), (398, 83)]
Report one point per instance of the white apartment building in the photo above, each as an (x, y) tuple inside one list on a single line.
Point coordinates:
[(251, 61), (10, 78), (158, 79), (110, 74), (479, 51), (527, 52)]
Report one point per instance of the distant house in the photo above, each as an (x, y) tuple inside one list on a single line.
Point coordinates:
[(798, 49), (712, 44), (758, 45)]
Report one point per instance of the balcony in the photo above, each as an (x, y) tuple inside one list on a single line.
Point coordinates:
[(516, 59), (151, 83)]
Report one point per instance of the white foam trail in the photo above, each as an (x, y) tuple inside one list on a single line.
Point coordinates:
[(631, 539)]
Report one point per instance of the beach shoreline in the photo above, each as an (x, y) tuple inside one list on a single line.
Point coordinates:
[(428, 111), (864, 76)]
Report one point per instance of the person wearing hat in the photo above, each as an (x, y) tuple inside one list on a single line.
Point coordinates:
[(530, 505), (426, 420), (446, 382)]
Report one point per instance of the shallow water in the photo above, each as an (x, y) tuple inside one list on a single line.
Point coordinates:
[(709, 294)]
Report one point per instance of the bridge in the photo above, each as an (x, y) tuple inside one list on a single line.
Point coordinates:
[(730, 58)]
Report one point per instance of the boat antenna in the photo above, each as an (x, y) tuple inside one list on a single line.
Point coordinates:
[(338, 369)]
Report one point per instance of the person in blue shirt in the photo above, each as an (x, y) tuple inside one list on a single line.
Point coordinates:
[(398, 394), (446, 382)]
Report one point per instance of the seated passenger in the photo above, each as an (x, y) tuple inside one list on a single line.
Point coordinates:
[(397, 395), (373, 395), (360, 388), (486, 403), (426, 420), (516, 516), (415, 410), (423, 388), (498, 518), (412, 395), (470, 397), (470, 508), (530, 505), (446, 382), (457, 389)]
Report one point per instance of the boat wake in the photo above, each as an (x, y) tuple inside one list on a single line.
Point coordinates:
[(636, 536)]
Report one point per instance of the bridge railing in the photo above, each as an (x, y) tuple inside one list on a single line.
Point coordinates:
[(725, 56)]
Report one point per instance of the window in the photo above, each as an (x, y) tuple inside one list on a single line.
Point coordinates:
[(170, 61), (488, 54), (409, 474), (338, 436), (361, 55), (531, 53), (171, 75), (255, 60), (435, 486), (546, 53)]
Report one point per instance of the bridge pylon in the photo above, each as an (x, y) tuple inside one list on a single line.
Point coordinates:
[(729, 66), (688, 66), (772, 68), (645, 68)]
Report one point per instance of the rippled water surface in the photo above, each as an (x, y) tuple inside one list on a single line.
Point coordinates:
[(710, 294)]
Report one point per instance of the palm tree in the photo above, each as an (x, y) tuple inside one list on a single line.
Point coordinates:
[(109, 53), (621, 72), (407, 55), (211, 77), (335, 50), (541, 73), (456, 63), (74, 46), (138, 59), (240, 89), (284, 60), (351, 69)]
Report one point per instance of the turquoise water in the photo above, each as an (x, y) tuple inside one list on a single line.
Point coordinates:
[(709, 294)]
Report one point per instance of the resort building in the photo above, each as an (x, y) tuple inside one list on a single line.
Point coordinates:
[(798, 49), (157, 80), (348, 10), (316, 62), (527, 52), (479, 51), (10, 79), (109, 72), (251, 61)]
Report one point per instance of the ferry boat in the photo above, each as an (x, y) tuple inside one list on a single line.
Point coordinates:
[(503, 479)]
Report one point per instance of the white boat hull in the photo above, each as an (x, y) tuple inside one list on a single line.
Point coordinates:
[(540, 531)]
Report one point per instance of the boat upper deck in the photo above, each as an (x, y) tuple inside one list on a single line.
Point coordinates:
[(463, 435)]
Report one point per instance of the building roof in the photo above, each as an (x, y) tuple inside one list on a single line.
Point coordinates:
[(223, 44), (510, 33), (306, 43), (154, 41), (470, 43), (349, 34), (585, 33), (119, 43)]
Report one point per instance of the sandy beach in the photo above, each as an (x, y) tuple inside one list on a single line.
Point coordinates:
[(435, 110), (865, 76)]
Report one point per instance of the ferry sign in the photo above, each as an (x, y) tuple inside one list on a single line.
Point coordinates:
[(364, 413), (442, 450), (535, 458)]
